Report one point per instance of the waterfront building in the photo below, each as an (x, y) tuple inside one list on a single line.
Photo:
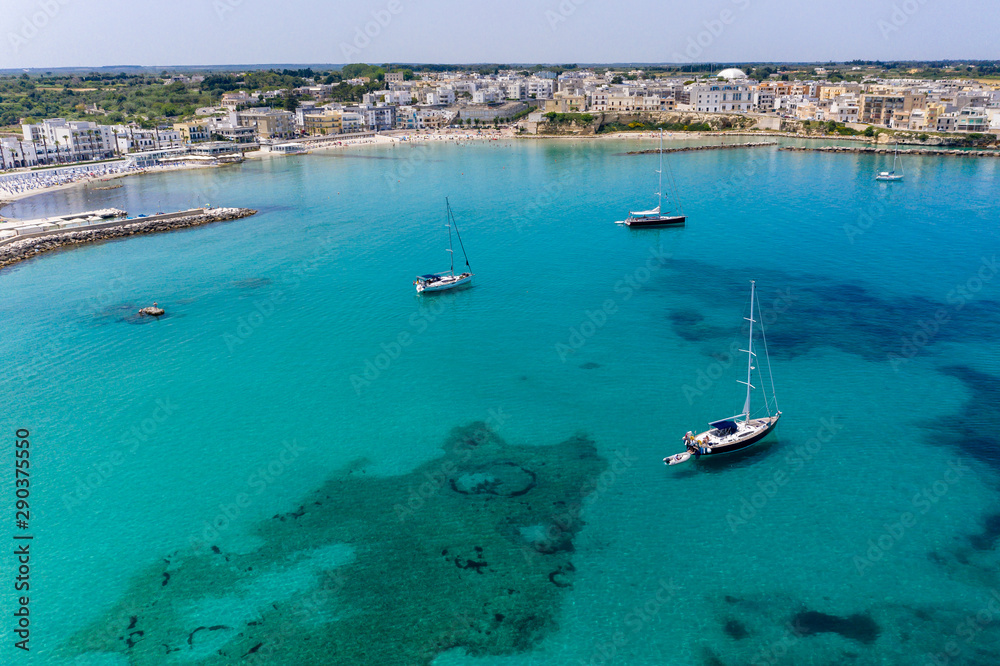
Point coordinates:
[(193, 131), (323, 123), (16, 153), (71, 140), (563, 102), (268, 123), (878, 108)]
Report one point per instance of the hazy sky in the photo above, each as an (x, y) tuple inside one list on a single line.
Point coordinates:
[(63, 33)]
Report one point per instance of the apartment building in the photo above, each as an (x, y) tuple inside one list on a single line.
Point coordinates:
[(722, 97), (268, 123), (235, 100), (323, 123), (193, 131), (71, 140), (880, 108)]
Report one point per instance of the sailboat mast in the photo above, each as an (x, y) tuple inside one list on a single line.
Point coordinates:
[(451, 248), (753, 298), (659, 190)]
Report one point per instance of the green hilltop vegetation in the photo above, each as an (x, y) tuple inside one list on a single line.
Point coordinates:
[(143, 98)]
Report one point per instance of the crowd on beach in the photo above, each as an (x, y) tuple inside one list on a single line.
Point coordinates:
[(19, 183)]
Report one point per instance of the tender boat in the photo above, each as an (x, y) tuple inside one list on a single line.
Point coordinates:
[(740, 431), (447, 279), (654, 217)]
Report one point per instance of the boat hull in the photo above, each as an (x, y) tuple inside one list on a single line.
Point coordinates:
[(663, 221), (747, 441), (888, 178), (764, 428), (460, 281)]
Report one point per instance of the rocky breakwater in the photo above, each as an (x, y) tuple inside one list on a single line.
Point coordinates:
[(31, 246), (721, 146), (889, 151)]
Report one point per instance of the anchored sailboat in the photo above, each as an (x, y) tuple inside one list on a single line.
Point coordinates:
[(447, 279), (892, 175), (654, 218), (740, 431)]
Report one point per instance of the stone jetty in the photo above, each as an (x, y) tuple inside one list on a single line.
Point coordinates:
[(721, 146), (21, 248), (889, 151)]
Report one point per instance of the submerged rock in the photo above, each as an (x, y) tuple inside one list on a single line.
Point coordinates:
[(859, 627), (471, 550)]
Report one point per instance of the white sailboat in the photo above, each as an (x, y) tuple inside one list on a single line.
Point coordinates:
[(447, 279), (654, 218), (892, 175), (742, 430)]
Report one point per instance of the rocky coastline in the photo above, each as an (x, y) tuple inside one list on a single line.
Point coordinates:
[(888, 150)]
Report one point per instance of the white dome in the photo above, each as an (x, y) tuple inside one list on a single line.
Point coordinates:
[(732, 73)]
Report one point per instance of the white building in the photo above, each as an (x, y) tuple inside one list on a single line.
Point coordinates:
[(15, 153), (133, 140), (486, 96), (71, 140), (516, 90), (541, 88), (721, 97)]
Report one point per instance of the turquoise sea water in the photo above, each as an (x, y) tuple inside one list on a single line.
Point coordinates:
[(876, 502)]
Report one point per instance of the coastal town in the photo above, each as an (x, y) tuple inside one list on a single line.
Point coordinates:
[(528, 103), (554, 332)]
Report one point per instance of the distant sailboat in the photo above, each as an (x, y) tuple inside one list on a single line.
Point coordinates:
[(892, 175), (447, 279), (736, 432), (654, 218)]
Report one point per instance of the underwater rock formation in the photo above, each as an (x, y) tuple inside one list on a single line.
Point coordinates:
[(471, 550)]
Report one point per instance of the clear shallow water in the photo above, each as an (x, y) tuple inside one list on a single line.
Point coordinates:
[(848, 270)]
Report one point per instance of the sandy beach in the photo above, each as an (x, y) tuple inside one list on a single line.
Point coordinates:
[(450, 135)]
